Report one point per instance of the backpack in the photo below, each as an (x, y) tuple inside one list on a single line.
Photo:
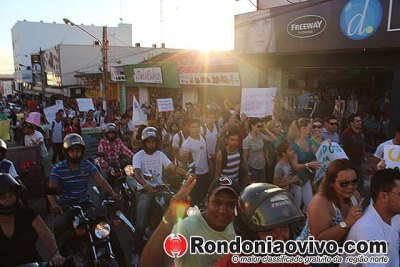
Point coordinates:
[(62, 128), (203, 130)]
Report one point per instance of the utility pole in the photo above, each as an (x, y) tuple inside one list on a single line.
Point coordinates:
[(104, 50), (43, 78)]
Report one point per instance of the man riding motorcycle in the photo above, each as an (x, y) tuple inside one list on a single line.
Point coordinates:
[(72, 177), (112, 147), (148, 165)]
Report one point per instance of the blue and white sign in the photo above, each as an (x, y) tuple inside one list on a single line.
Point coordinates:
[(360, 19)]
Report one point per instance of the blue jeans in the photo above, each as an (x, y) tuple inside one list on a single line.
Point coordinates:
[(142, 215)]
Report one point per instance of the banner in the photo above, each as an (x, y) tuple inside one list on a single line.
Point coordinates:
[(165, 104), (5, 130), (257, 102), (326, 154), (85, 104), (138, 117), (391, 154)]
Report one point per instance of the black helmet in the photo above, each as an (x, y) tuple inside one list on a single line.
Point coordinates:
[(262, 207), (147, 133), (7, 184), (71, 140)]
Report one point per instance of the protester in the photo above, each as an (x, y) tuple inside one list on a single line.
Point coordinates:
[(283, 174), (378, 155), (381, 220), (337, 205), (304, 162), (316, 134), (330, 130)]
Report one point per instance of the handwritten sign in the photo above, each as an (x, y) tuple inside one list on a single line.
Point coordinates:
[(257, 102), (165, 104), (138, 117), (60, 103), (85, 104), (50, 112), (326, 154), (391, 154)]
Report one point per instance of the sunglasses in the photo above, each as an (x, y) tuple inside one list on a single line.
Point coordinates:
[(345, 184), (319, 126), (333, 123)]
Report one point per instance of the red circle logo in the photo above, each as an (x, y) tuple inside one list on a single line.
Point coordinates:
[(175, 245)]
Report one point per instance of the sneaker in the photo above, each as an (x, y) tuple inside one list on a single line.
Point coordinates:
[(135, 260)]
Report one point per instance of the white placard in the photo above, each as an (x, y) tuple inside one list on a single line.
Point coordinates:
[(326, 154), (85, 104), (165, 104), (60, 103), (138, 117), (50, 112), (391, 154), (257, 102)]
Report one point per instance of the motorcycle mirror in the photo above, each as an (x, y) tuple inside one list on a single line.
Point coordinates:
[(53, 191)]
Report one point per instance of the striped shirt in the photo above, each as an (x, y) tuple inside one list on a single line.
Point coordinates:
[(232, 167), (73, 184)]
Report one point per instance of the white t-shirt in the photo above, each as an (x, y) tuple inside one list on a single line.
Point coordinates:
[(198, 150), (151, 165), (175, 144), (211, 139), (371, 227), (379, 150), (35, 139)]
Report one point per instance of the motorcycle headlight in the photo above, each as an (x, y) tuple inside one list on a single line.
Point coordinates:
[(102, 230), (128, 170)]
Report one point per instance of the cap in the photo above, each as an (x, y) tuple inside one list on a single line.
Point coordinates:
[(222, 183)]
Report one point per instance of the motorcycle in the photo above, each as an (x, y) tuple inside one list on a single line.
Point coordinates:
[(88, 241), (32, 176)]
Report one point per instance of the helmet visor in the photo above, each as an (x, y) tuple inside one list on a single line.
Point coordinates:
[(278, 210)]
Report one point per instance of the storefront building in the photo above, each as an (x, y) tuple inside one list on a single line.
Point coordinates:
[(326, 57)]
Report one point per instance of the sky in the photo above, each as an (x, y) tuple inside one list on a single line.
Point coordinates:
[(192, 24)]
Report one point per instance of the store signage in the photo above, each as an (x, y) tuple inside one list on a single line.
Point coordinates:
[(213, 78), (117, 74), (360, 19), (147, 75), (306, 26)]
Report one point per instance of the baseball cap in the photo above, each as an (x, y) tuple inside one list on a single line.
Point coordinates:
[(224, 183)]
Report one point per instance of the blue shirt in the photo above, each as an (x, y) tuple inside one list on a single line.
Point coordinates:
[(7, 166), (73, 184)]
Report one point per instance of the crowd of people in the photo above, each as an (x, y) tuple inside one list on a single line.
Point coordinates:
[(240, 165)]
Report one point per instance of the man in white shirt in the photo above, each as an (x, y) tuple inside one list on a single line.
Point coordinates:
[(195, 147), (148, 164), (381, 220), (210, 132), (378, 155)]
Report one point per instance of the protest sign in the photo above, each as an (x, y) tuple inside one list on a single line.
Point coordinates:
[(138, 117), (50, 112), (60, 103), (92, 137), (85, 104), (257, 102), (165, 104), (326, 154), (391, 154), (5, 130)]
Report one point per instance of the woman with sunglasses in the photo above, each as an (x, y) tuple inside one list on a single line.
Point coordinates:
[(254, 149), (303, 163), (316, 134), (336, 206)]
